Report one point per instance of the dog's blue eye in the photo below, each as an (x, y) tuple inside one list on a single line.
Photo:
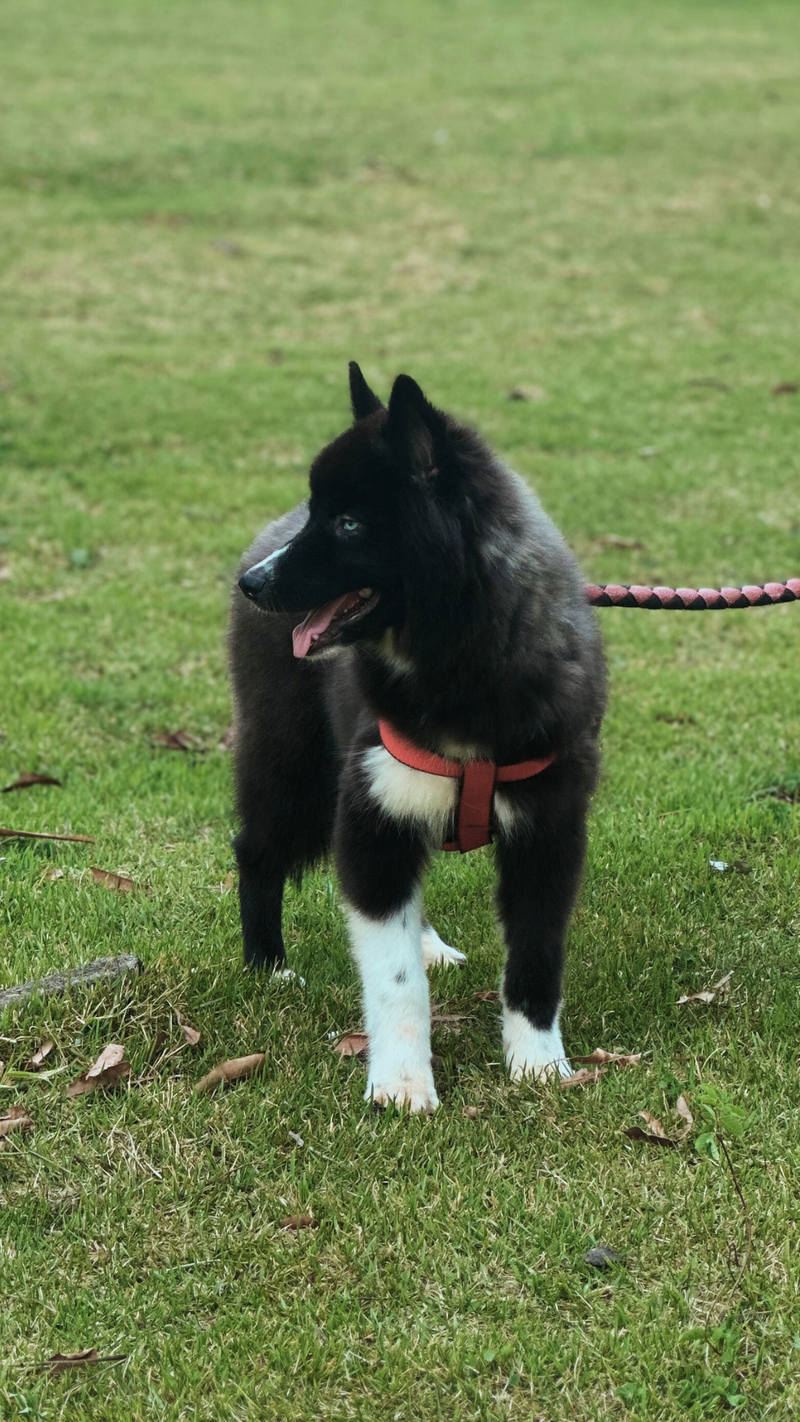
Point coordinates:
[(345, 527)]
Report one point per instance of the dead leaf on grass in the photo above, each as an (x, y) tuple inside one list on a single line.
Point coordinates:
[(225, 742), (234, 1070), (584, 1077), (351, 1045), (600, 1057), (226, 884), (448, 1019), (38, 1057), (190, 1033), (655, 1136), (708, 994), (492, 996), (615, 540), (471, 1112), (38, 834), (295, 1222), (51, 875), (29, 777), (109, 1070), (786, 387), (534, 393), (119, 883), (177, 740), (16, 1119), (685, 1114)]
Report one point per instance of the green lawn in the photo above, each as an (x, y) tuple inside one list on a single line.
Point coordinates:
[(205, 209)]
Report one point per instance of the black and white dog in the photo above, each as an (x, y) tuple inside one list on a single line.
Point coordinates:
[(447, 609)]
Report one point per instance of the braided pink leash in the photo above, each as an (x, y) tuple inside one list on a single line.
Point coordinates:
[(693, 599)]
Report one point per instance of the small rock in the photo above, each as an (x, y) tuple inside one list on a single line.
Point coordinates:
[(602, 1257)]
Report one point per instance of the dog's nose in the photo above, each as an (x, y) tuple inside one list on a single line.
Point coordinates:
[(252, 582)]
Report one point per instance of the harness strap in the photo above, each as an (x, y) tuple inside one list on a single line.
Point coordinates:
[(478, 779)]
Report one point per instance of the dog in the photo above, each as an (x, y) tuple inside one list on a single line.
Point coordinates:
[(419, 597)]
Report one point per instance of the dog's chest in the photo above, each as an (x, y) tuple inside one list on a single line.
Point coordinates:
[(404, 793)]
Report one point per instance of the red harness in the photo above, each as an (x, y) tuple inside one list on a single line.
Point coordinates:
[(478, 779)]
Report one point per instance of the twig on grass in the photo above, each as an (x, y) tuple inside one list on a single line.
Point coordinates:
[(748, 1223), (101, 969)]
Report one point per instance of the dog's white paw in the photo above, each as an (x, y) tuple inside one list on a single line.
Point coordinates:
[(435, 951), (414, 1090), (532, 1051)]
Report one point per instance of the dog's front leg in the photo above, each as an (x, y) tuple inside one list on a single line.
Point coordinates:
[(380, 868)]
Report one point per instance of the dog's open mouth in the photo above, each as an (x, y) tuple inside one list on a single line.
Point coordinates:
[(323, 626)]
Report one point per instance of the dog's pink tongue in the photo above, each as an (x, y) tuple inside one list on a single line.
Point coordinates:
[(315, 623)]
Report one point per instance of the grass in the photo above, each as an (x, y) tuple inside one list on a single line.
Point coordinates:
[(206, 209)]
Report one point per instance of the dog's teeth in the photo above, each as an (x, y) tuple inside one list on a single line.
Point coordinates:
[(365, 592)]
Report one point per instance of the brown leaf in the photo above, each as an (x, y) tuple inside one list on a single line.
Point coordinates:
[(29, 777), (685, 1114), (486, 996), (447, 1019), (635, 1133), (615, 540), (177, 740), (599, 1056), (110, 1056), (708, 994), (38, 1057), (786, 387), (584, 1077), (51, 875), (470, 1111), (226, 884), (17, 1119), (235, 1070), (118, 882), (351, 1045), (225, 742), (295, 1222), (109, 1070), (190, 1033), (36, 834)]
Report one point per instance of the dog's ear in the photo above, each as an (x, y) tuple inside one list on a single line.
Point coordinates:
[(363, 400), (415, 430)]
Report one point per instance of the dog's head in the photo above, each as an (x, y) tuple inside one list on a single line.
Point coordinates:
[(370, 490)]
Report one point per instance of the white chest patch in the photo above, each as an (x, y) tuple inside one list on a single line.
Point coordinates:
[(407, 794)]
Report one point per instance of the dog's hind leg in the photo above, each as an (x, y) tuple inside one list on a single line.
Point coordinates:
[(286, 774), (539, 876)]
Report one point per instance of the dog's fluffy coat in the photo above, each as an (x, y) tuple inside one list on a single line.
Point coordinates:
[(445, 601)]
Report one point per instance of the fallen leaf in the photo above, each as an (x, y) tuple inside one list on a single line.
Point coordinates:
[(190, 1033), (51, 875), (118, 882), (708, 994), (681, 719), (600, 1056), (226, 884), (447, 1019), (351, 1045), (110, 1056), (109, 1070), (685, 1114), (234, 1070), (635, 1133), (37, 834), (486, 996), (786, 387), (225, 742), (527, 392), (471, 1111), (584, 1077), (38, 1057), (741, 867), (177, 740), (295, 1222), (16, 1119), (61, 1362), (29, 777), (615, 540), (602, 1256)]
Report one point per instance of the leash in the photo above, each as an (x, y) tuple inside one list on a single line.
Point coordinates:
[(478, 779), (693, 599)]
